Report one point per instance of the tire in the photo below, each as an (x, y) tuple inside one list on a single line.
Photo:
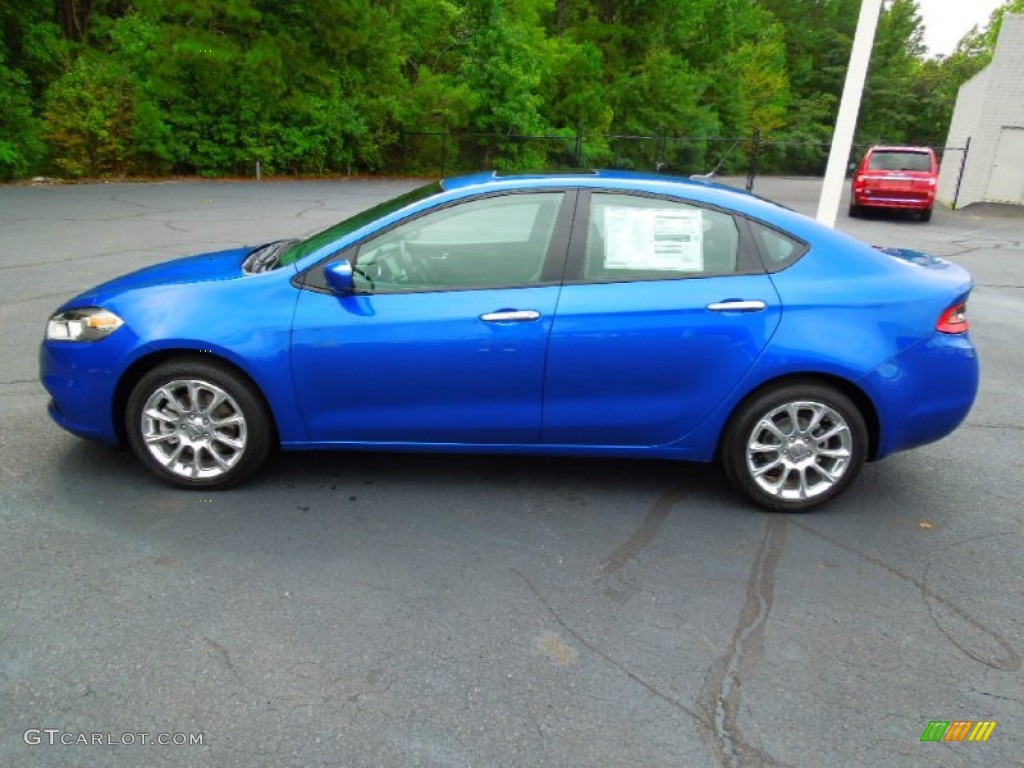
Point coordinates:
[(793, 470), (855, 211), (925, 215), (198, 424)]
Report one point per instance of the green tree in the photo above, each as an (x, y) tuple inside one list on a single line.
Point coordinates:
[(937, 81), (896, 60), (500, 65), (979, 45), (212, 86), (90, 117), (20, 145)]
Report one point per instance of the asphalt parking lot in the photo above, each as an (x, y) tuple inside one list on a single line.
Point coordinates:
[(415, 610)]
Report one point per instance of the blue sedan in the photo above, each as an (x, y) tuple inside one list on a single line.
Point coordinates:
[(598, 314)]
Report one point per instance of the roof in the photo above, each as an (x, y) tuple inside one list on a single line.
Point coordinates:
[(900, 149), (650, 182), (697, 191)]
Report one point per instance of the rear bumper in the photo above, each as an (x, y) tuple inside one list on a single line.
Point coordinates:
[(881, 200), (923, 394)]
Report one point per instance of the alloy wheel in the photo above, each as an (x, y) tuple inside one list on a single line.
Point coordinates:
[(194, 429), (799, 450)]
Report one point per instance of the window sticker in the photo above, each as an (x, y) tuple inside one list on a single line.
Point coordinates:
[(669, 239)]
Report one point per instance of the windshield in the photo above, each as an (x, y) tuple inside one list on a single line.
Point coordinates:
[(900, 161), (302, 248)]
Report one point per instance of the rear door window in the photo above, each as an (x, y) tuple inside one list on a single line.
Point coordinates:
[(900, 161), (632, 237)]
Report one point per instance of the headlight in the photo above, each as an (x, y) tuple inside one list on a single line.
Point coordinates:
[(89, 324)]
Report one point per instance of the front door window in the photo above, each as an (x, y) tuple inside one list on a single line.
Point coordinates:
[(492, 242)]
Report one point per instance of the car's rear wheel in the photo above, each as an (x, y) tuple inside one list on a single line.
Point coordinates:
[(855, 211), (198, 424), (795, 446), (925, 215)]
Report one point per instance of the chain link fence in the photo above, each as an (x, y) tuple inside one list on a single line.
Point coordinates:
[(447, 153)]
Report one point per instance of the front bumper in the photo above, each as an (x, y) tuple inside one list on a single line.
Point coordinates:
[(81, 378)]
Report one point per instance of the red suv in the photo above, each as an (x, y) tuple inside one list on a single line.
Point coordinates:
[(902, 178)]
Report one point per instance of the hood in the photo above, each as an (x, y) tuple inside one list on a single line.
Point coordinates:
[(219, 265)]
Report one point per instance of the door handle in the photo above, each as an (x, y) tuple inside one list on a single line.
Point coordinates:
[(511, 316), (737, 305)]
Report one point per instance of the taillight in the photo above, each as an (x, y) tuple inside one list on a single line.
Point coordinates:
[(954, 320)]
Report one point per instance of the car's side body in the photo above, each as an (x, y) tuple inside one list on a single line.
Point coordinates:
[(896, 178), (568, 356)]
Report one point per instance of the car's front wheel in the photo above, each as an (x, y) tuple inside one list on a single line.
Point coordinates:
[(794, 446), (198, 424)]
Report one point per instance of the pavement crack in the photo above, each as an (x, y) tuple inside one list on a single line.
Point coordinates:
[(646, 685), (120, 198), (971, 653), (996, 696), (977, 425), (724, 681), (171, 226), (319, 205), (69, 259), (224, 656), (1009, 661), (644, 535), (40, 297), (352, 698)]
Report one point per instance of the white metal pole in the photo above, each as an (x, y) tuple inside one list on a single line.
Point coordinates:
[(849, 107)]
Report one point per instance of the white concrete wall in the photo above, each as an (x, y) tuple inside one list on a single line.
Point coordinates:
[(966, 123), (990, 101)]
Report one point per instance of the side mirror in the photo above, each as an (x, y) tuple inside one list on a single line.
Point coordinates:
[(339, 276)]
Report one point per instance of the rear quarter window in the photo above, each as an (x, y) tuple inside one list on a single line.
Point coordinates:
[(778, 250)]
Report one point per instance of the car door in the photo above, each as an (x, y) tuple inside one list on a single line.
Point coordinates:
[(445, 338), (664, 310)]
